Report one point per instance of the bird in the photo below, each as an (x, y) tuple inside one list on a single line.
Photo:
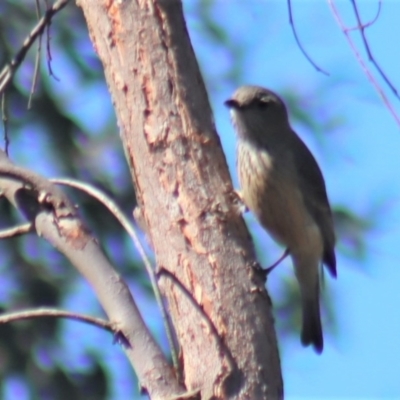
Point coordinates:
[(282, 184)]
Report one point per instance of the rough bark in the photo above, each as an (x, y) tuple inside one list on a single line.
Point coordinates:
[(228, 343)]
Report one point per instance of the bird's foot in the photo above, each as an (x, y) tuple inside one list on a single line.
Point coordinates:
[(268, 270)]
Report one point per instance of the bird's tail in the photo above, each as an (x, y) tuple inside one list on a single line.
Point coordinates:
[(311, 332)]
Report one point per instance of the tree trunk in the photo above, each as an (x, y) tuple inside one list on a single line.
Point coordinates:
[(217, 300)]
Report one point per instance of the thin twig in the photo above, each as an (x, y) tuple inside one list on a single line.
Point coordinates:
[(54, 313), (37, 61), (38, 11), (35, 72), (370, 23), (8, 72), (17, 230), (362, 63), (48, 50), (371, 58), (289, 2), (4, 118), (128, 226)]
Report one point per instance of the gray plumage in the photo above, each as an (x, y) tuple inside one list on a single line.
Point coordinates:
[(283, 186)]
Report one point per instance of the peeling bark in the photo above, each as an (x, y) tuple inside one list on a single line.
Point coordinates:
[(218, 302)]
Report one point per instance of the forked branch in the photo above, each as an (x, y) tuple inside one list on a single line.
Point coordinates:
[(56, 220)]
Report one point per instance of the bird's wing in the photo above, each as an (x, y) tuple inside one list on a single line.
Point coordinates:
[(312, 182)]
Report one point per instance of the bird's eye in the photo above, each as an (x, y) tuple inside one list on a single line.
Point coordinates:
[(262, 104)]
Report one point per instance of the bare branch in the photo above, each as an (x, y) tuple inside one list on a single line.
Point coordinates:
[(128, 226), (289, 2), (37, 61), (361, 27), (370, 23), (367, 72), (47, 194), (16, 231), (54, 313), (4, 118), (48, 50), (8, 72), (66, 232)]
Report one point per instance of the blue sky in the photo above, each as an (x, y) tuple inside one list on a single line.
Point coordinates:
[(361, 164)]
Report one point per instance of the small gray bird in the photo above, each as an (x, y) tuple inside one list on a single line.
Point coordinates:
[(283, 186)]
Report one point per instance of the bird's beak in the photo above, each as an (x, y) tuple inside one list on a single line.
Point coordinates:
[(230, 103)]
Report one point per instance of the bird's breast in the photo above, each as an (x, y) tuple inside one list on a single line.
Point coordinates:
[(270, 190), (254, 167)]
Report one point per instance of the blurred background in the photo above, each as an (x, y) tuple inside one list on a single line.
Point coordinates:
[(71, 131)]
